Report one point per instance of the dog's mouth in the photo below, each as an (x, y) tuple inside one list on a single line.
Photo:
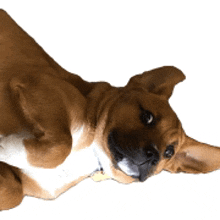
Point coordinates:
[(140, 172), (137, 163)]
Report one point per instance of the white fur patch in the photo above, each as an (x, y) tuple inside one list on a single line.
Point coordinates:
[(76, 134), (128, 167), (104, 160), (76, 165), (12, 150)]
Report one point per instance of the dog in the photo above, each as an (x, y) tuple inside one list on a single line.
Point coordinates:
[(57, 129)]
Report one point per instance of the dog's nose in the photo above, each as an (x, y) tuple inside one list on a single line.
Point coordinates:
[(148, 154), (152, 155), (145, 160), (134, 161), (151, 160)]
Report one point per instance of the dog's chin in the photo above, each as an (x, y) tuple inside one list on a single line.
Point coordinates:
[(130, 169), (125, 166), (139, 173), (134, 171)]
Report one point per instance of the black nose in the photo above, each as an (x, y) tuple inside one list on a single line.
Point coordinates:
[(146, 163), (148, 155), (145, 160), (152, 155), (135, 161)]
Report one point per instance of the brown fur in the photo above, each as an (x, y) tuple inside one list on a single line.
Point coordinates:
[(11, 192), (38, 95)]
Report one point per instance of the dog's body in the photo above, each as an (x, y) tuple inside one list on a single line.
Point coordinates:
[(57, 129)]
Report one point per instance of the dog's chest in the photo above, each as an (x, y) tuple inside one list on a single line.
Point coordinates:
[(52, 181), (76, 165)]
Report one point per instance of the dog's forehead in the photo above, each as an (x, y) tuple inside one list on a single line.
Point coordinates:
[(134, 100)]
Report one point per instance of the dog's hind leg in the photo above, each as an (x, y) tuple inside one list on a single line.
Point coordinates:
[(11, 193)]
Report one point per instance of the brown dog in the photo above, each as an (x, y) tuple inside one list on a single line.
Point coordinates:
[(57, 129)]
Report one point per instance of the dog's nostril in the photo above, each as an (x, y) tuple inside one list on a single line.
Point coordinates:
[(154, 162), (152, 155)]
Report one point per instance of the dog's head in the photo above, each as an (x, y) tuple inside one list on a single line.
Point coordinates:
[(144, 136)]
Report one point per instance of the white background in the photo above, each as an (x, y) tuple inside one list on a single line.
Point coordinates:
[(111, 41)]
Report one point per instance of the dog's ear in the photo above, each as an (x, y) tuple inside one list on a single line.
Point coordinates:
[(195, 157), (160, 81)]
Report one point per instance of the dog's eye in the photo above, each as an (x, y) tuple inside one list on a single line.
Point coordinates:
[(147, 118), (169, 152)]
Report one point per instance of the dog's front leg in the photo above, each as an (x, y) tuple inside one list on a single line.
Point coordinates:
[(23, 150), (47, 153), (50, 107)]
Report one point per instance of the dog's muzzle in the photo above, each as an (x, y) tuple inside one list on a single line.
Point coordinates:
[(136, 162)]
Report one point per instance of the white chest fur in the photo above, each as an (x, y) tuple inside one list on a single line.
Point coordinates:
[(76, 165)]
